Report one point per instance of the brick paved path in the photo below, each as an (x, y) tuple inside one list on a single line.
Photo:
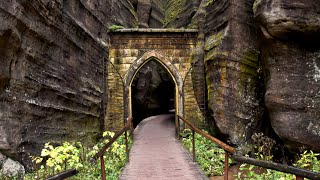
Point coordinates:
[(157, 154)]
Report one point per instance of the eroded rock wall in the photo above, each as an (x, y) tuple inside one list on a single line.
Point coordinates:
[(166, 13), (232, 69), (291, 62), (264, 53), (51, 72)]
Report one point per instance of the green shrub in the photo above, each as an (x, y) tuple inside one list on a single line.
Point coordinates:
[(308, 160), (74, 155)]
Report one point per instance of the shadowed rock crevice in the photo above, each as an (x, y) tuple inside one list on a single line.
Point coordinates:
[(152, 92)]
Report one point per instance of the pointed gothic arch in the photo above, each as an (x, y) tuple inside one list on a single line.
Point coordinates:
[(171, 69)]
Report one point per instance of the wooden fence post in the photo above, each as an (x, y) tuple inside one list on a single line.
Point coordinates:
[(193, 147)]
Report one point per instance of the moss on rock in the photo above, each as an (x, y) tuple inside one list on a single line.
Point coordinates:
[(250, 62), (173, 10), (213, 41)]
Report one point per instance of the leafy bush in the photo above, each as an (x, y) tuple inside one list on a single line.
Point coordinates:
[(74, 155), (208, 155), (263, 146), (309, 160)]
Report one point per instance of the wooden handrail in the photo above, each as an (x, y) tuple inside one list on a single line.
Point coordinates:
[(114, 138), (298, 172), (278, 167), (64, 175), (208, 136)]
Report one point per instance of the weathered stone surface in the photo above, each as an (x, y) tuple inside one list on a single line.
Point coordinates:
[(291, 61), (52, 66), (130, 49), (114, 12), (51, 72), (12, 168), (170, 13), (2, 159), (287, 19), (198, 68), (143, 10), (232, 63)]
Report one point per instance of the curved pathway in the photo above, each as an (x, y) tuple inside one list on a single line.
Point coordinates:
[(157, 154)]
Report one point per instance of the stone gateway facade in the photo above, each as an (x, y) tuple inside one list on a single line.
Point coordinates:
[(132, 49)]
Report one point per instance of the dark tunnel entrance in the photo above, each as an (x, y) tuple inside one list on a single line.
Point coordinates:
[(153, 92)]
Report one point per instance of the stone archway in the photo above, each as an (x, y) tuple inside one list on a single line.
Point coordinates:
[(171, 69), (130, 50)]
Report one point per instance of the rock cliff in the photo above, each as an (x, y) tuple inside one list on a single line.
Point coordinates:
[(232, 69), (255, 61), (52, 69), (262, 69), (166, 13), (291, 61)]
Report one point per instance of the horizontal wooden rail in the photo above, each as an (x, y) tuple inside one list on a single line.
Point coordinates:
[(298, 172), (278, 167), (64, 175), (221, 144)]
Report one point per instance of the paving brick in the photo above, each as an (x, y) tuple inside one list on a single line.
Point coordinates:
[(157, 154)]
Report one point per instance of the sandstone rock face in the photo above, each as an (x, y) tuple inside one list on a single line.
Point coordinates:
[(53, 64), (286, 19), (166, 13), (51, 72), (232, 69), (143, 10), (198, 69), (2, 159), (291, 61)]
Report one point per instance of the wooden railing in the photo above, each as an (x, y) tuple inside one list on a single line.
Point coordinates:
[(299, 173), (64, 175), (100, 153), (228, 149)]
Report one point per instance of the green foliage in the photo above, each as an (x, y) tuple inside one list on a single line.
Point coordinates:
[(247, 172), (263, 146), (74, 155), (209, 2), (211, 158), (308, 160), (208, 155)]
